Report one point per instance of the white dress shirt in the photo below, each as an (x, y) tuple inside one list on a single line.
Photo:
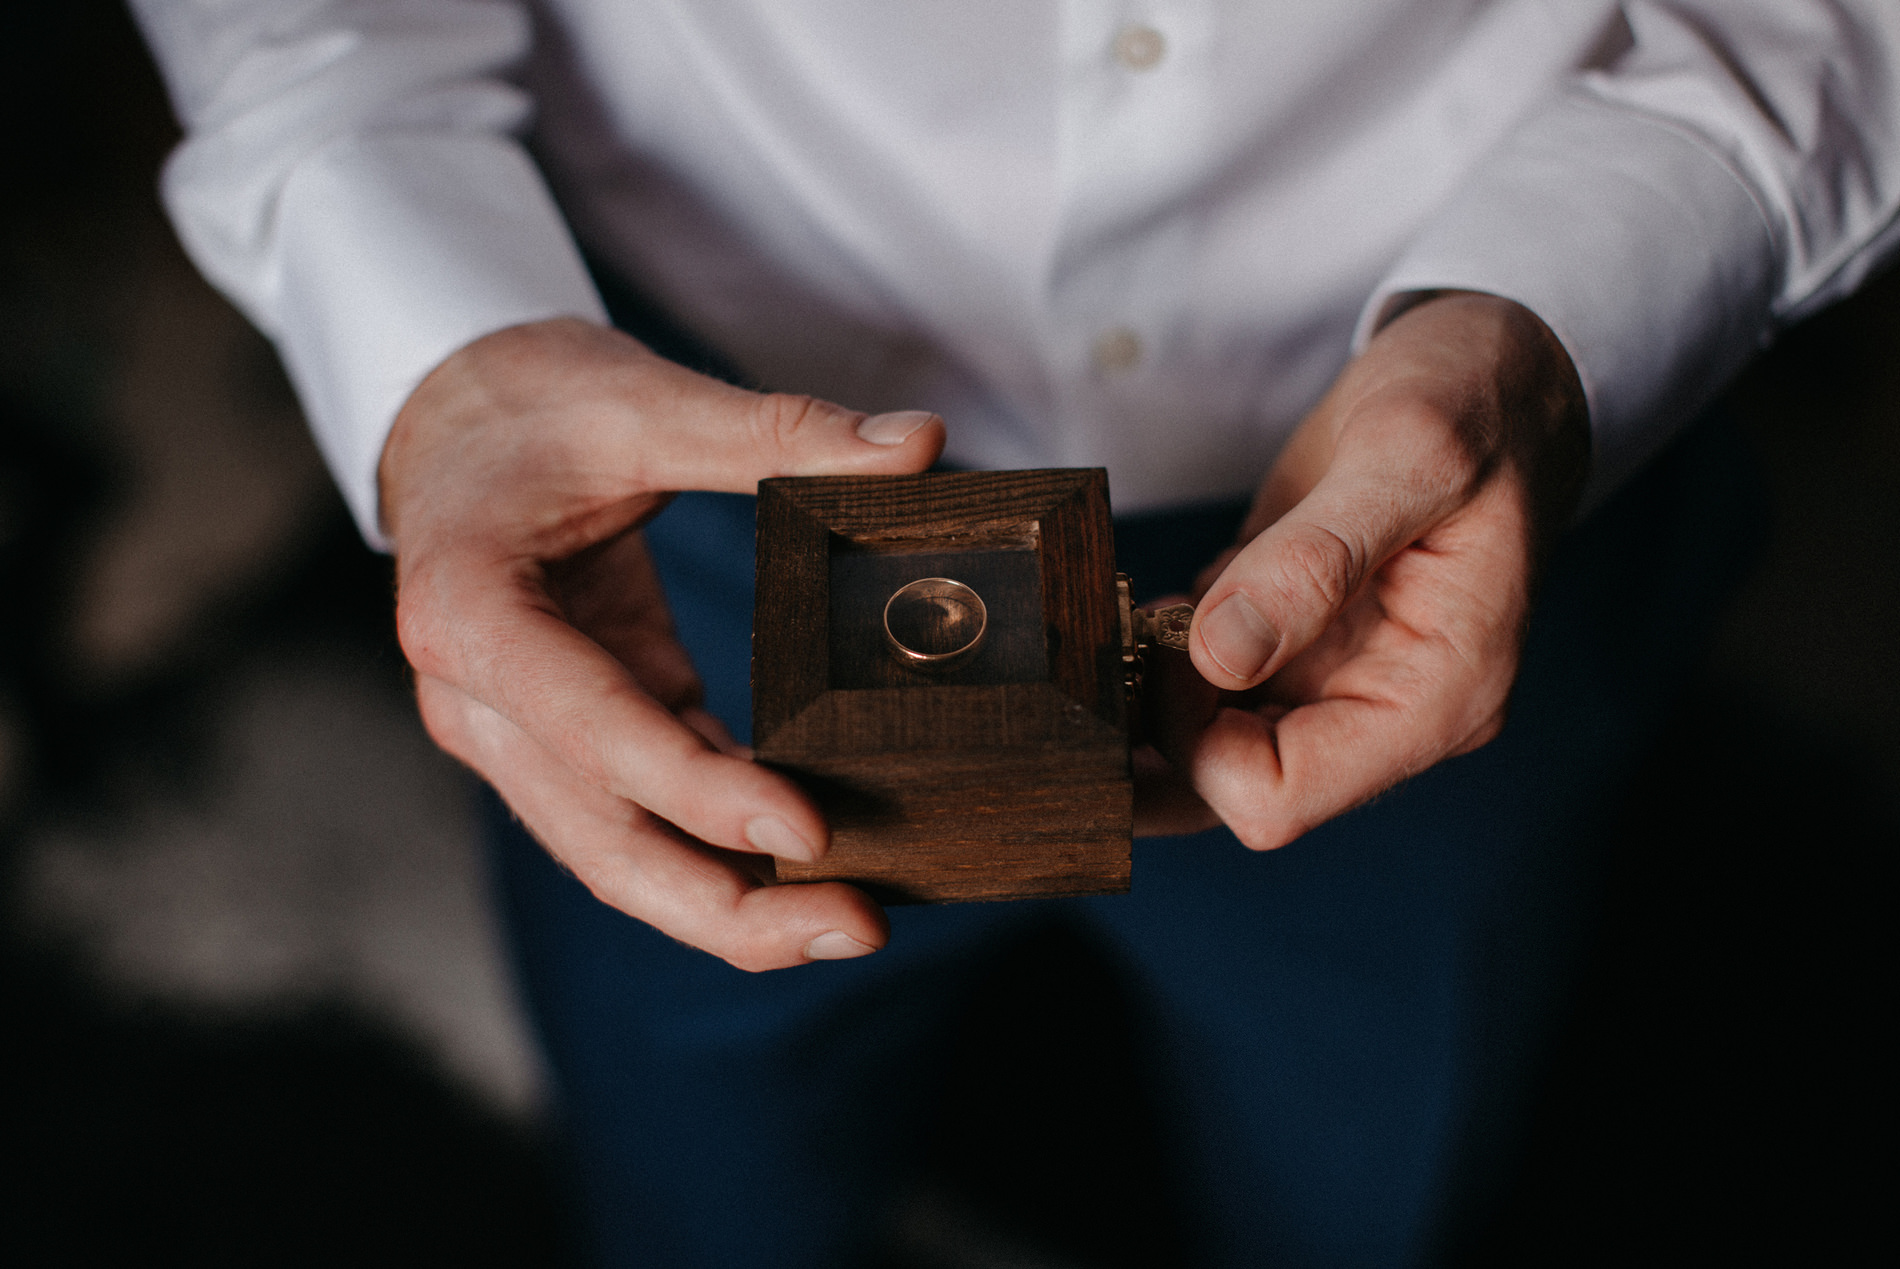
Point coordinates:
[(1140, 234)]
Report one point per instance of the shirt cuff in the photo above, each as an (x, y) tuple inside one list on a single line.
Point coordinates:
[(397, 249), (1641, 250)]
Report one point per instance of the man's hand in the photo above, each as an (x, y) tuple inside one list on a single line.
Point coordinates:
[(514, 484), (1370, 622)]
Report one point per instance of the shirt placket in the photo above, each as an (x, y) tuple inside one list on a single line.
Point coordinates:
[(1131, 128)]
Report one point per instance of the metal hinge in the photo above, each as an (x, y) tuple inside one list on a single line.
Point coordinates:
[(1142, 631)]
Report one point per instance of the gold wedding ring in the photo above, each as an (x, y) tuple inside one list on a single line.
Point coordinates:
[(935, 622)]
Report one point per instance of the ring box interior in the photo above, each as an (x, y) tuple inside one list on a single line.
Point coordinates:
[(1004, 775)]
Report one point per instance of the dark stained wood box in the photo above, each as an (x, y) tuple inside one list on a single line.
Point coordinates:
[(1005, 775)]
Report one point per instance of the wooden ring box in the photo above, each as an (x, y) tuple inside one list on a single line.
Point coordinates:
[(1002, 775)]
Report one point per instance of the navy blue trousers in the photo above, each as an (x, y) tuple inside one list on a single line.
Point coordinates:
[(1342, 1028)]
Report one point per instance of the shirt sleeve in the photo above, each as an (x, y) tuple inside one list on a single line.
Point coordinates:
[(1719, 171), (350, 178)]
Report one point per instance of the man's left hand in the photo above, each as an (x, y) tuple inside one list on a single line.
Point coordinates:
[(1369, 622)]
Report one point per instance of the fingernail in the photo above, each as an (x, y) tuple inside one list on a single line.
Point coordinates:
[(774, 836), (1238, 637), (893, 429), (836, 945)]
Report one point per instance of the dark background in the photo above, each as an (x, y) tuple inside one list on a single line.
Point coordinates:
[(172, 556)]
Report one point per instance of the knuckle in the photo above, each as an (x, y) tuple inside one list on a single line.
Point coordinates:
[(419, 631), (1267, 833), (784, 417), (751, 963), (1263, 825), (1427, 424), (1453, 466), (1484, 733), (1319, 565), (752, 955)]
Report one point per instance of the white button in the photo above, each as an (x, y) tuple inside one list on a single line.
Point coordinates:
[(1116, 350), (1139, 47)]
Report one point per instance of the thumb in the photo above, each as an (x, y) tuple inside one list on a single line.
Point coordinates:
[(729, 440), (1282, 590)]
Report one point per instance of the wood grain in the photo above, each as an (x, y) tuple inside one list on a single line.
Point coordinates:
[(948, 826)]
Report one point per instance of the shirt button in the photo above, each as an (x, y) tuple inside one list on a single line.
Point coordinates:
[(1139, 47), (1116, 350)]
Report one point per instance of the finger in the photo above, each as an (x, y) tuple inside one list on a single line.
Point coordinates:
[(1392, 712), (493, 632), (714, 732), (645, 867), (688, 432), (1288, 584), (612, 591)]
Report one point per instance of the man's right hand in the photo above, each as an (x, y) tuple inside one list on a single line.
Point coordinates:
[(514, 484)]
